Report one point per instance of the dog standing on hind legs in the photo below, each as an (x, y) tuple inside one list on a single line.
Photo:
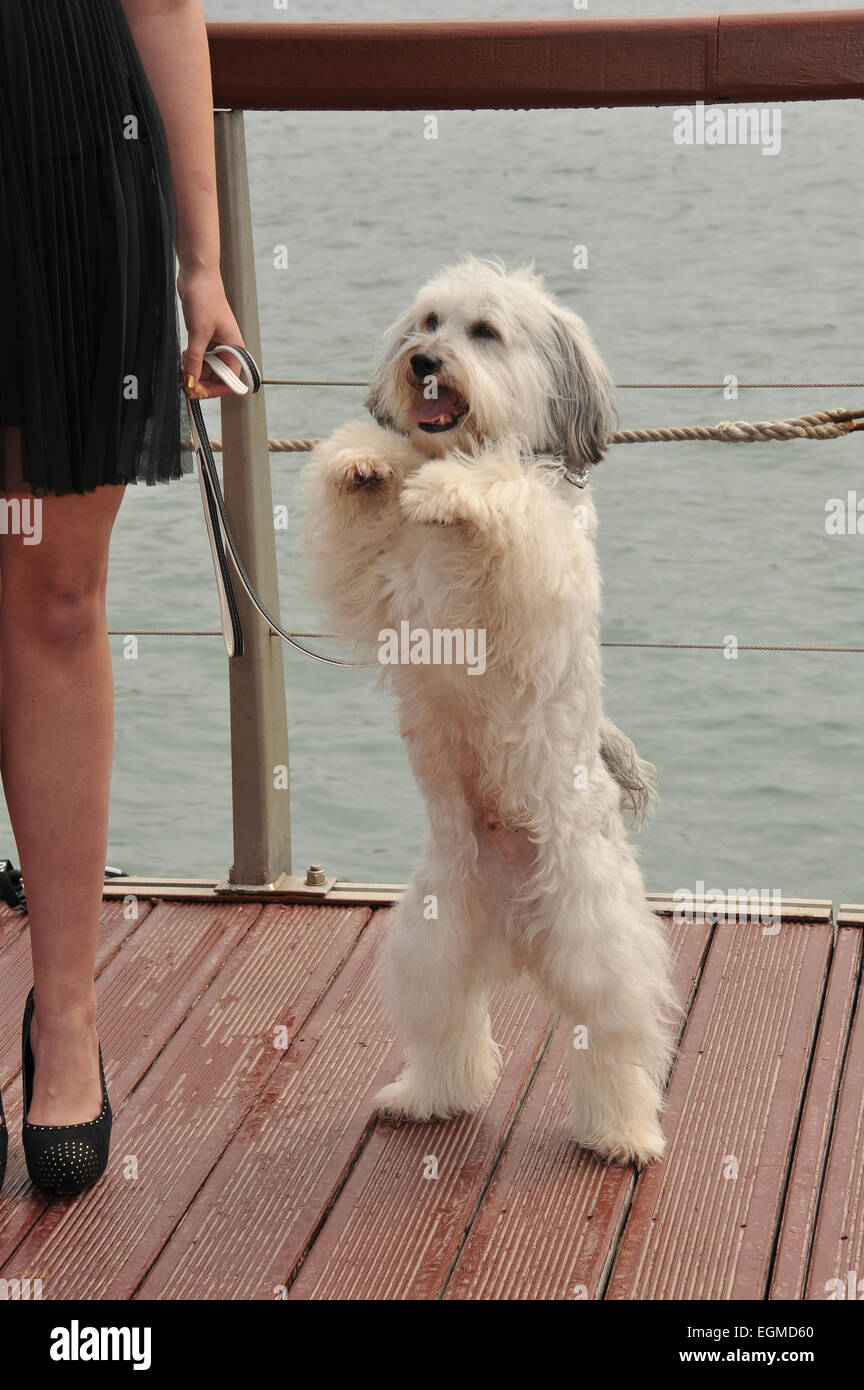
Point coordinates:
[(441, 512)]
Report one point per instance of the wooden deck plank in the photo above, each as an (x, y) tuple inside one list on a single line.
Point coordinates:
[(12, 923), (549, 1221), (808, 1166), (703, 1221), (16, 975), (179, 1120), (261, 1205), (144, 992), (395, 1230), (838, 1247)]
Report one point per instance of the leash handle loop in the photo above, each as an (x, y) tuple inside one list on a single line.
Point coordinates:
[(250, 377)]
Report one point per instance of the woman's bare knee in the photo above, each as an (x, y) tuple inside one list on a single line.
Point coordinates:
[(65, 611), (55, 591)]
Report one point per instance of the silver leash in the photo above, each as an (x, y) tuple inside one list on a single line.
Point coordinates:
[(216, 513)]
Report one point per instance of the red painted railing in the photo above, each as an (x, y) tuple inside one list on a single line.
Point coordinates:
[(473, 64)]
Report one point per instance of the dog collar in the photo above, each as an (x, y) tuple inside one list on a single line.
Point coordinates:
[(577, 476)]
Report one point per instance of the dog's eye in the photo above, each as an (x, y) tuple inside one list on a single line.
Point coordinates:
[(430, 323), (482, 330)]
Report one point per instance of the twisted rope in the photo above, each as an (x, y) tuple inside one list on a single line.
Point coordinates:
[(824, 424)]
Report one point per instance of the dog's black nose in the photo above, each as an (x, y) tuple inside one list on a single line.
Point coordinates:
[(423, 365)]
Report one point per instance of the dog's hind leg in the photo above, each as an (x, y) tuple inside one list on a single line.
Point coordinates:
[(601, 956), (434, 985)]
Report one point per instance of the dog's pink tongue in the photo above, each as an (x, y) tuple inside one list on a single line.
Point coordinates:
[(444, 404)]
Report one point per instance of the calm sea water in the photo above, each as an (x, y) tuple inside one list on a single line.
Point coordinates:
[(701, 262)]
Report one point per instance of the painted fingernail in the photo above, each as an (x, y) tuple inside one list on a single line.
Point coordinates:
[(190, 383)]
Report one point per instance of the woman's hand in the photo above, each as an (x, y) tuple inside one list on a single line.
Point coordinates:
[(209, 320)]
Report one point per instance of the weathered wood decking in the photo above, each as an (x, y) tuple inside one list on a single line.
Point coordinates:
[(243, 1041)]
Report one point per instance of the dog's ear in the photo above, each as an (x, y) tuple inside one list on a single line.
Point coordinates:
[(375, 403), (582, 406), (379, 398)]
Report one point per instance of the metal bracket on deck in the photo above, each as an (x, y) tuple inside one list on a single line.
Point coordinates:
[(286, 883)]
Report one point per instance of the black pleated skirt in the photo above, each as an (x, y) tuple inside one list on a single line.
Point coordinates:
[(90, 369)]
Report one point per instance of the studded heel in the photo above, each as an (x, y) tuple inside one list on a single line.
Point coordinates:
[(63, 1159)]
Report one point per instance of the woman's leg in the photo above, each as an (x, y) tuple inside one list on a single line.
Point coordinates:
[(56, 743)]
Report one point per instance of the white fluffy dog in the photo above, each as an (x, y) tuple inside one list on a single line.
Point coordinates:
[(439, 517)]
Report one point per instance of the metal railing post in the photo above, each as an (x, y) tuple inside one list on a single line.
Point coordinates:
[(259, 723)]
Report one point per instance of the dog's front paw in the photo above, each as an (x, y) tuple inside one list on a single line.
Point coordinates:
[(442, 494), (355, 469)]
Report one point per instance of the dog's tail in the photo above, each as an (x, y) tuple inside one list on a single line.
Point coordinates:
[(636, 777)]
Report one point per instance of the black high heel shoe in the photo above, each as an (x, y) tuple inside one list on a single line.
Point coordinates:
[(63, 1159)]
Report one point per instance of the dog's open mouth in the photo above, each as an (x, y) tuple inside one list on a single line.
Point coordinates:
[(442, 413)]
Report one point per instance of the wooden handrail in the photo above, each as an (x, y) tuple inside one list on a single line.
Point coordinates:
[(504, 64)]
